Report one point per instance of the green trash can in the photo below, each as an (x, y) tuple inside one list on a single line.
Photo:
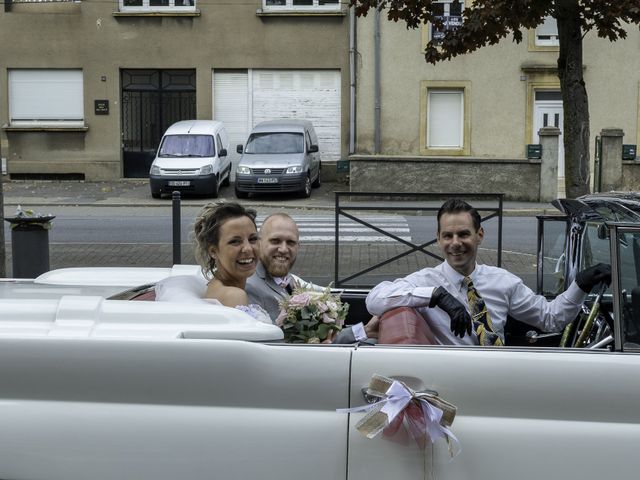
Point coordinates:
[(30, 244)]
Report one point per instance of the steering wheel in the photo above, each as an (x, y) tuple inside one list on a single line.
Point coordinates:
[(590, 329)]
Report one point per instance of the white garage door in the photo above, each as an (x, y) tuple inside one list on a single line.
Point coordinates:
[(241, 99)]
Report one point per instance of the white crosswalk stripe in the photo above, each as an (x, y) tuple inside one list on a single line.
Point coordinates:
[(321, 228)]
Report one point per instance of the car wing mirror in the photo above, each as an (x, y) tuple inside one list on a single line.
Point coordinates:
[(223, 152), (313, 148), (239, 149), (603, 232)]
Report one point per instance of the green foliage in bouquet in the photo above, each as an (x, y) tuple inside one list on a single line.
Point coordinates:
[(309, 316)]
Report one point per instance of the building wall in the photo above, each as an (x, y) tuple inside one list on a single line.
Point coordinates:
[(500, 78), (90, 35)]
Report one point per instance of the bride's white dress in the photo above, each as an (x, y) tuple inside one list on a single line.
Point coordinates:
[(191, 288)]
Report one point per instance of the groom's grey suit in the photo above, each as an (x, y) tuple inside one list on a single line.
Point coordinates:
[(263, 290)]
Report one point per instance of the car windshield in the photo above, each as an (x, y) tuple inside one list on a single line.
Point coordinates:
[(275, 143), (187, 146)]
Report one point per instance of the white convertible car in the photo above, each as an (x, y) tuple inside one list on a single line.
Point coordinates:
[(96, 385)]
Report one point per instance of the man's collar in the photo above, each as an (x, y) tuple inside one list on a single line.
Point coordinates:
[(282, 281), (456, 277)]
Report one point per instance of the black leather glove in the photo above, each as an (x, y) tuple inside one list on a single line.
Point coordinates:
[(592, 276), (460, 318)]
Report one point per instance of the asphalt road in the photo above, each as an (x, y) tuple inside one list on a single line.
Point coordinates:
[(126, 225)]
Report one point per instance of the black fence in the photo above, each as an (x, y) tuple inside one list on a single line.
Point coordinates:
[(350, 205)]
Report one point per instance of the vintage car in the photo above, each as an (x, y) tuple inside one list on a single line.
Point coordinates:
[(104, 388)]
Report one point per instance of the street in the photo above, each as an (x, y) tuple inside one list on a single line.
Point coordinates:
[(139, 236)]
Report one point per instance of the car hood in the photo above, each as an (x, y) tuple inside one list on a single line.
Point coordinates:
[(611, 206), (271, 160), (182, 162)]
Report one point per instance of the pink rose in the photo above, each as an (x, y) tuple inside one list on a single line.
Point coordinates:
[(299, 300), (322, 306)]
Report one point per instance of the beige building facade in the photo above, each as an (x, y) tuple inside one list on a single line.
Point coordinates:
[(88, 87), (465, 124)]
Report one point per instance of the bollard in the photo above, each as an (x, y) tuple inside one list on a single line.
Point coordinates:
[(177, 242), (30, 244)]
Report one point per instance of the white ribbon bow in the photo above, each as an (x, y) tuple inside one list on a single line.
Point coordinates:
[(393, 402)]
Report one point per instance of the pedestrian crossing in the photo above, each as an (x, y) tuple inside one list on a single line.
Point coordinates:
[(321, 228)]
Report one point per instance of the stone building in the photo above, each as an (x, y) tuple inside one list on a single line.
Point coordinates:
[(88, 87), (465, 124)]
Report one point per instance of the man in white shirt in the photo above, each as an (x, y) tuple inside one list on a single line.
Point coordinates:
[(273, 280), (440, 294)]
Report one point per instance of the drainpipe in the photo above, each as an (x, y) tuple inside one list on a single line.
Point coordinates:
[(376, 86), (352, 80)]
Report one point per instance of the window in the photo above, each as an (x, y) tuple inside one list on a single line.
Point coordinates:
[(445, 118), (157, 5), (547, 33), (300, 5), (450, 13), (445, 113), (187, 146), (46, 97), (267, 143)]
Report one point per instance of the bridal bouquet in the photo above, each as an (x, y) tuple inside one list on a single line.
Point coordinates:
[(309, 316)]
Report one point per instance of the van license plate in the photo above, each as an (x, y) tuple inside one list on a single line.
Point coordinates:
[(179, 183), (268, 180)]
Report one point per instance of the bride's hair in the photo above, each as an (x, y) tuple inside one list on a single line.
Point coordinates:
[(207, 230)]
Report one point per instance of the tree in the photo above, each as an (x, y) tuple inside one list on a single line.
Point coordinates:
[(486, 22)]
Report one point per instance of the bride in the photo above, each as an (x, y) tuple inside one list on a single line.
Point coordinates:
[(227, 251)]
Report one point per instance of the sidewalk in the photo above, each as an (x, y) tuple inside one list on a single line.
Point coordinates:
[(135, 192)]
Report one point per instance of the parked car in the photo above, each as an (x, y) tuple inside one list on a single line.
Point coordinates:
[(280, 156), (192, 157), (103, 388)]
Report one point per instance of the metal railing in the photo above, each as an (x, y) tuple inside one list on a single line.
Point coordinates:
[(342, 210)]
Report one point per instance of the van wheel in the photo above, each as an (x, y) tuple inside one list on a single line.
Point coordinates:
[(156, 194), (306, 189), (317, 182), (240, 194), (227, 179), (214, 190)]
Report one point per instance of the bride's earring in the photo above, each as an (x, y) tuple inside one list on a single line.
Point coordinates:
[(214, 269)]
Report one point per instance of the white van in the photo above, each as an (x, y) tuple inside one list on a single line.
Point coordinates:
[(192, 157)]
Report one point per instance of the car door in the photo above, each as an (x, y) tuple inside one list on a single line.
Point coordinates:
[(522, 413), (181, 409), (314, 157)]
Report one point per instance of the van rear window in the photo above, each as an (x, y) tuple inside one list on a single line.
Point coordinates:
[(275, 143), (187, 146)]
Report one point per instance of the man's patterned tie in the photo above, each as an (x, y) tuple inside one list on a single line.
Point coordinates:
[(481, 318)]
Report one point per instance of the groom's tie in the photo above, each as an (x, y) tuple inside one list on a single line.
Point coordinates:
[(481, 318)]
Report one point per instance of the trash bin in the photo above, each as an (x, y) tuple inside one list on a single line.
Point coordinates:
[(30, 244)]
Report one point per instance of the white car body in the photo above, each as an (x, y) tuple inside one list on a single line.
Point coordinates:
[(92, 388), (103, 389)]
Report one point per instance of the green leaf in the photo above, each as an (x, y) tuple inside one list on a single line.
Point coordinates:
[(323, 331)]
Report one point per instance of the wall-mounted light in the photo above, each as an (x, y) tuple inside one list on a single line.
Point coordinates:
[(103, 78)]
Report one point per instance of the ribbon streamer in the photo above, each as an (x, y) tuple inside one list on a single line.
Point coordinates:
[(425, 415)]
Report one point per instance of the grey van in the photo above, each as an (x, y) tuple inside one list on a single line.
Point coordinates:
[(280, 156)]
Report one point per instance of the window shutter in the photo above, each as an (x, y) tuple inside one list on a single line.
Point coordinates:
[(46, 96), (445, 119)]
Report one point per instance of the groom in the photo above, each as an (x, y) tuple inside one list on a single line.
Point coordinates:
[(273, 280)]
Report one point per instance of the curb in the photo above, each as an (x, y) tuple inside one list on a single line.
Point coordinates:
[(509, 212)]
